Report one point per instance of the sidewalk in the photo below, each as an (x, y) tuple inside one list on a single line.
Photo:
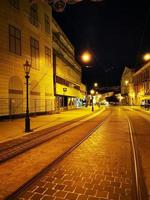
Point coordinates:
[(139, 108), (12, 129)]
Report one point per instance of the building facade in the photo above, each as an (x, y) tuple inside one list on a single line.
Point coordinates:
[(68, 89), (26, 34), (141, 81), (127, 89), (135, 85)]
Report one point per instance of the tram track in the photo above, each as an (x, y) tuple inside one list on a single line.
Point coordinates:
[(21, 189), (16, 147), (139, 184)]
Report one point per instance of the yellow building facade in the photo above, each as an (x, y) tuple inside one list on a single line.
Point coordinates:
[(135, 85), (141, 81), (127, 88), (68, 89), (26, 34)]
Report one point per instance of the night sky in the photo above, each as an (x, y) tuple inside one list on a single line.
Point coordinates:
[(116, 32)]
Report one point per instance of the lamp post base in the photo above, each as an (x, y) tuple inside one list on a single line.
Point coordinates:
[(27, 124), (92, 108)]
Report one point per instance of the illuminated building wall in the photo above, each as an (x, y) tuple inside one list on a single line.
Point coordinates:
[(25, 34), (127, 89), (67, 73), (141, 80)]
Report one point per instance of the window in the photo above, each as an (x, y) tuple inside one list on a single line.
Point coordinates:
[(14, 3), (47, 24), (34, 14), (47, 56), (34, 53), (14, 40)]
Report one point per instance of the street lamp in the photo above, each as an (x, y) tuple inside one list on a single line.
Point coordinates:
[(86, 57), (27, 68), (146, 57), (92, 92), (126, 82), (95, 85)]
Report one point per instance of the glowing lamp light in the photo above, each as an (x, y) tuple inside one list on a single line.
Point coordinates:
[(27, 67), (95, 84), (126, 82), (146, 57), (92, 92), (86, 57)]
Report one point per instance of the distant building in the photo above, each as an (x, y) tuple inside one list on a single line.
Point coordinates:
[(141, 81), (28, 32), (127, 89), (135, 85)]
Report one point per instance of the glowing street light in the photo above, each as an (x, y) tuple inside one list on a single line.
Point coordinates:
[(146, 57), (96, 85), (126, 82), (86, 57)]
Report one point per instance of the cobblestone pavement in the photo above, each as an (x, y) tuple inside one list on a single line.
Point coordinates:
[(99, 169)]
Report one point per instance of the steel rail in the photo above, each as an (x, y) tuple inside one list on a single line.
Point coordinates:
[(136, 161), (17, 149), (21, 189), (27, 137)]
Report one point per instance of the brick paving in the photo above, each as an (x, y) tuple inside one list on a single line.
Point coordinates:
[(99, 169)]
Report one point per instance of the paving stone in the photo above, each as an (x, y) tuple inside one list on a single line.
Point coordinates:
[(59, 187), (114, 196), (79, 190), (50, 185), (100, 168), (36, 196), (41, 190), (103, 194), (89, 186), (67, 182), (48, 197), (60, 194), (93, 198), (90, 192), (71, 196), (69, 188), (50, 191)]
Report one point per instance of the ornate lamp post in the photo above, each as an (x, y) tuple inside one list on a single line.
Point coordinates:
[(27, 68), (92, 92)]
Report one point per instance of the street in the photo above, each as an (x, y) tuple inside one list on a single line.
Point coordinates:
[(101, 167)]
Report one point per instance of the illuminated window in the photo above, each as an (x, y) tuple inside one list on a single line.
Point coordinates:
[(47, 24), (14, 40), (47, 56), (14, 3), (34, 14), (34, 44)]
